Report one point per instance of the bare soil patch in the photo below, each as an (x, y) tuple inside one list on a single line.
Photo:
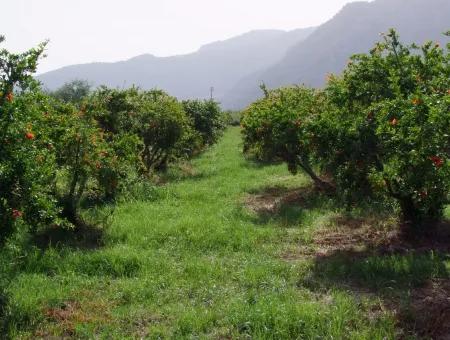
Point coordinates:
[(372, 235), (70, 313), (388, 238), (355, 234), (428, 312), (270, 200)]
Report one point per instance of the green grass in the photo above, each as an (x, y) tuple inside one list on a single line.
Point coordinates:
[(194, 262)]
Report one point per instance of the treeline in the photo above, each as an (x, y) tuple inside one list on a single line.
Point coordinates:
[(58, 149), (379, 131)]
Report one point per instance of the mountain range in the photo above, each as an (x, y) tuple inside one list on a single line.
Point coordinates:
[(236, 67), (220, 65), (355, 29)]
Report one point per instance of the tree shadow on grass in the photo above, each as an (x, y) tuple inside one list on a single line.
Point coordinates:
[(182, 171), (363, 251), (3, 313), (183, 176), (253, 163), (412, 279), (88, 227), (86, 237), (286, 206)]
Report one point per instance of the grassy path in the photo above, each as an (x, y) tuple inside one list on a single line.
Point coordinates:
[(194, 262)]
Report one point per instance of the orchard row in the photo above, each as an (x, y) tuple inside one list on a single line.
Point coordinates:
[(379, 131), (55, 153)]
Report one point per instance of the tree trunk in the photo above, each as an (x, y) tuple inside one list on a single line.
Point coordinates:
[(320, 183), (411, 219)]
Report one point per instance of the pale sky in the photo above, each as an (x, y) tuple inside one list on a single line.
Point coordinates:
[(83, 31)]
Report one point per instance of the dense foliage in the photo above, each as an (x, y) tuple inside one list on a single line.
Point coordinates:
[(381, 129)]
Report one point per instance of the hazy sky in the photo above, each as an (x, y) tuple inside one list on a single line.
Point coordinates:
[(109, 30)]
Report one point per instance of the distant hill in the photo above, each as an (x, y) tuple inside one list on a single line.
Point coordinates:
[(353, 30), (220, 64)]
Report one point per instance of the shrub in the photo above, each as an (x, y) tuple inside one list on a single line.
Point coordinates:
[(387, 128), (51, 153), (163, 126), (27, 165), (207, 119), (379, 130), (281, 126), (90, 161), (155, 117)]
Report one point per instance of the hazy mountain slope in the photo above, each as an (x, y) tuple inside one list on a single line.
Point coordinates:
[(353, 30), (220, 64)]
